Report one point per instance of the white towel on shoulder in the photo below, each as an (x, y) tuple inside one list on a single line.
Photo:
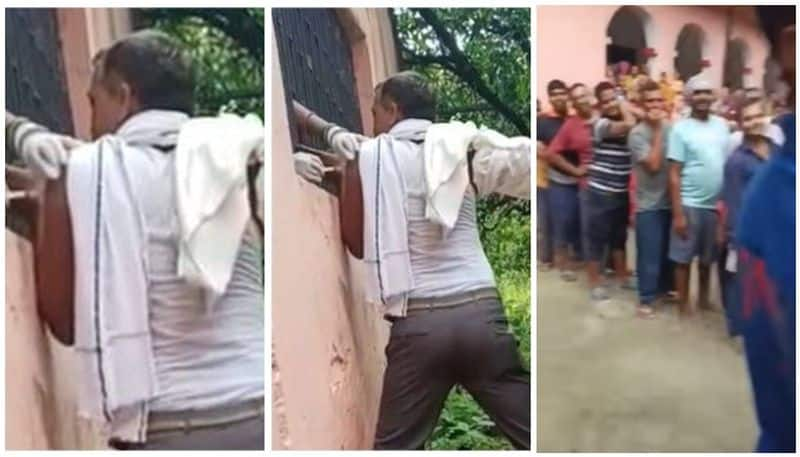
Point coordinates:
[(500, 164), (211, 190), (389, 275), (112, 333)]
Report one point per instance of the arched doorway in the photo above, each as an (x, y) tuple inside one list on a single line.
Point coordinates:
[(627, 36), (736, 57), (689, 51)]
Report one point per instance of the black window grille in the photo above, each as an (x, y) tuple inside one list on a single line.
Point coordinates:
[(317, 66), (35, 83)]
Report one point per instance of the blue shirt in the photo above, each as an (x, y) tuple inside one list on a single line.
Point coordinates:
[(740, 167), (700, 147), (767, 278)]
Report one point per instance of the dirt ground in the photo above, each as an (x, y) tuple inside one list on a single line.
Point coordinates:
[(609, 381)]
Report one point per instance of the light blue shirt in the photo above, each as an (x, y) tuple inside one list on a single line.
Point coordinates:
[(701, 146)]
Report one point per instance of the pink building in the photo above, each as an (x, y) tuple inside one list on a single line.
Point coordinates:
[(327, 342), (576, 43)]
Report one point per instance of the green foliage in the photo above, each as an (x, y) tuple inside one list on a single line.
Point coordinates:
[(496, 44), (230, 73)]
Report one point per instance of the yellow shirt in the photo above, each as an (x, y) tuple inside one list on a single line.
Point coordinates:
[(542, 168)]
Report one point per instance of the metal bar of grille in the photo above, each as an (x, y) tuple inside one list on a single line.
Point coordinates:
[(316, 65), (35, 83)]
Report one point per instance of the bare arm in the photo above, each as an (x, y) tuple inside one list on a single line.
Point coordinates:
[(620, 128), (308, 120), (351, 209), (54, 262), (655, 158), (679, 223), (557, 160)]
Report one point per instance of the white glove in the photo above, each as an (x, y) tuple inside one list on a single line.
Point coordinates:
[(345, 144), (309, 167), (45, 152)]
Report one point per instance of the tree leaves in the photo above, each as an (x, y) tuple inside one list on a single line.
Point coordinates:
[(227, 47)]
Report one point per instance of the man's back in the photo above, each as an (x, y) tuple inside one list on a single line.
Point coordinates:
[(204, 358), (442, 263)]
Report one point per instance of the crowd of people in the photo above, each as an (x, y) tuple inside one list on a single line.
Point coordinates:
[(700, 173), (671, 159)]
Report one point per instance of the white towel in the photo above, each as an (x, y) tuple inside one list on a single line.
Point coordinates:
[(211, 188), (389, 276), (112, 333), (501, 164)]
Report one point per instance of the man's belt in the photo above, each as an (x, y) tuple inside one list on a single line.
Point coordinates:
[(416, 304), (183, 421)]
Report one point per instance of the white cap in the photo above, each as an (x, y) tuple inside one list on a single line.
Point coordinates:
[(697, 82)]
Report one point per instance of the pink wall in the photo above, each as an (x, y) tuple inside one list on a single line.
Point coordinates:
[(41, 383), (327, 342), (571, 40), (84, 31)]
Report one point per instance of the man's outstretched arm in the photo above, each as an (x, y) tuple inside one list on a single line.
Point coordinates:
[(351, 205)]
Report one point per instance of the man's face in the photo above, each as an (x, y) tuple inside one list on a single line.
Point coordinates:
[(609, 105), (701, 101), (558, 100), (109, 108), (581, 101), (754, 120), (384, 113), (653, 100)]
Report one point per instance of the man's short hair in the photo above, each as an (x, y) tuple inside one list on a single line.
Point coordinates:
[(411, 93), (602, 86), (154, 65), (556, 84), (649, 86), (575, 86)]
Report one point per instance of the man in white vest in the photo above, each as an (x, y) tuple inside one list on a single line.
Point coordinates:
[(167, 326), (408, 208)]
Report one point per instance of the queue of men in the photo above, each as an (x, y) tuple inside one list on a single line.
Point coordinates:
[(703, 187), (600, 154)]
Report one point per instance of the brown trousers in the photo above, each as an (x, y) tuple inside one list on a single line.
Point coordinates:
[(430, 351)]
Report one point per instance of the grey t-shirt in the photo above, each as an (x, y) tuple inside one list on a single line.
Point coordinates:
[(651, 188)]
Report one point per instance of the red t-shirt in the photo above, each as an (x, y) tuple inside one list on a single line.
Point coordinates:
[(574, 142)]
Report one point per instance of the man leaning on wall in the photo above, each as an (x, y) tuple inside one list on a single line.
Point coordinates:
[(408, 209), (157, 288)]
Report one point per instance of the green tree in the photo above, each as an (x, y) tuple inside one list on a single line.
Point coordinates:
[(227, 46), (478, 62)]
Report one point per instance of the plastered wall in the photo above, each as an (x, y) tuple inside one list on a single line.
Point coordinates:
[(40, 373), (327, 343), (41, 379), (571, 41)]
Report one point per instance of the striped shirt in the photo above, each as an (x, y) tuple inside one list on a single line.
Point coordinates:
[(610, 166)]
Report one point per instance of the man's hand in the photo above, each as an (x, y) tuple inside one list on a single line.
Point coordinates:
[(345, 144), (680, 225), (581, 171), (309, 167), (45, 152)]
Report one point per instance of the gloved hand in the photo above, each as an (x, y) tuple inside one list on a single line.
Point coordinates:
[(45, 152), (345, 144), (309, 166)]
